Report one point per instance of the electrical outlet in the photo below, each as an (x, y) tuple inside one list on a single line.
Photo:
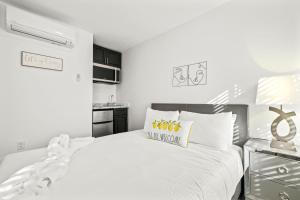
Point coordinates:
[(21, 146)]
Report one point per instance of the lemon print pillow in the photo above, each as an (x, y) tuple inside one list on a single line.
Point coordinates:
[(173, 132)]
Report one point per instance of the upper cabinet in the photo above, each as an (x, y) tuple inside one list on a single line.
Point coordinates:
[(98, 55), (107, 57), (107, 65), (113, 58)]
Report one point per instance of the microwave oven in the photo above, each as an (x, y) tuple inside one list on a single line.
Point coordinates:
[(107, 74)]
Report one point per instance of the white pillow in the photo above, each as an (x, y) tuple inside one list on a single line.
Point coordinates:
[(173, 132), (152, 115), (214, 130)]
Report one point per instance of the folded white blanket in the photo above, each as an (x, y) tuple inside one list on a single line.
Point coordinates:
[(36, 178)]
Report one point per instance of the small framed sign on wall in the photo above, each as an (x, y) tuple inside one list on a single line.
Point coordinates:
[(41, 61)]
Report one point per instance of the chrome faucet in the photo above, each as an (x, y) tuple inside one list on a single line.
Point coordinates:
[(111, 97)]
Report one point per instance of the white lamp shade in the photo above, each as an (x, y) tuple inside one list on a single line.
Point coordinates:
[(278, 90)]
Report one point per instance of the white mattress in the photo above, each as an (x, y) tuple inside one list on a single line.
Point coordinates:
[(129, 166)]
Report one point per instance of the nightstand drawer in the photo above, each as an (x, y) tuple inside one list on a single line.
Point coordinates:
[(276, 168), (264, 189)]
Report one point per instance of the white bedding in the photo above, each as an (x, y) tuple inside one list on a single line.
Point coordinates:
[(129, 166)]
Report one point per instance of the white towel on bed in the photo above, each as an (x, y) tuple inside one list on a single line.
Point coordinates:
[(36, 178)]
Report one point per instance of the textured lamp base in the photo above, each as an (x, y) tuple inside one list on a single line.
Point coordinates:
[(282, 142), (290, 146)]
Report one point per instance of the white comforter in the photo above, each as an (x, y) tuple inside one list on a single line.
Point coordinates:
[(129, 166)]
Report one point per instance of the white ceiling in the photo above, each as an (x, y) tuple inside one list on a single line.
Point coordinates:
[(120, 24)]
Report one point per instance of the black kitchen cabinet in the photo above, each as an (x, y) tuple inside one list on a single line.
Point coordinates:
[(113, 58), (98, 54), (107, 65), (107, 56), (120, 120)]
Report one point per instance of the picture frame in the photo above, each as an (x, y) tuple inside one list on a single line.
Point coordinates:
[(190, 75), (35, 60)]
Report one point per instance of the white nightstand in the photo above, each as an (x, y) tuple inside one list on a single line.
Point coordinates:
[(271, 174)]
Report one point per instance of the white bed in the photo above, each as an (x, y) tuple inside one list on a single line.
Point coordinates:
[(130, 166)]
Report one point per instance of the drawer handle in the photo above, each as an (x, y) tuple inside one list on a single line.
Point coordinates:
[(283, 170), (283, 196)]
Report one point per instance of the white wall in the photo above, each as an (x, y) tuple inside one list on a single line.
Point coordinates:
[(102, 92), (242, 41), (37, 104)]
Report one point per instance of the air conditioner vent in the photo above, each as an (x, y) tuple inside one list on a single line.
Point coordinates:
[(42, 35), (37, 27)]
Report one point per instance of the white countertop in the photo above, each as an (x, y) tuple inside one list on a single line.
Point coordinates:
[(108, 107), (105, 106)]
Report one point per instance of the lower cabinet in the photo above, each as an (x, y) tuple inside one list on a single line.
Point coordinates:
[(120, 120), (264, 189), (102, 129), (270, 175)]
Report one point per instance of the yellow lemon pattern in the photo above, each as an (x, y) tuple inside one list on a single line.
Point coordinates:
[(154, 125), (170, 125), (164, 125), (159, 125), (177, 127)]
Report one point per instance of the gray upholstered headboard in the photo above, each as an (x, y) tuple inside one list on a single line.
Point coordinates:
[(241, 123)]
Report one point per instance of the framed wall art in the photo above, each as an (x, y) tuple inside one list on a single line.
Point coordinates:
[(190, 75), (41, 61)]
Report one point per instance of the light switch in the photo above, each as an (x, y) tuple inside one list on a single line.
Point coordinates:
[(78, 77)]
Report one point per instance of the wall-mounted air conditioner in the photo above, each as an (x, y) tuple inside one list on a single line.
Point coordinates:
[(27, 24), (39, 34)]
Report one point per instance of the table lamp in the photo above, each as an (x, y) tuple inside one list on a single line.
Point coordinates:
[(280, 90)]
